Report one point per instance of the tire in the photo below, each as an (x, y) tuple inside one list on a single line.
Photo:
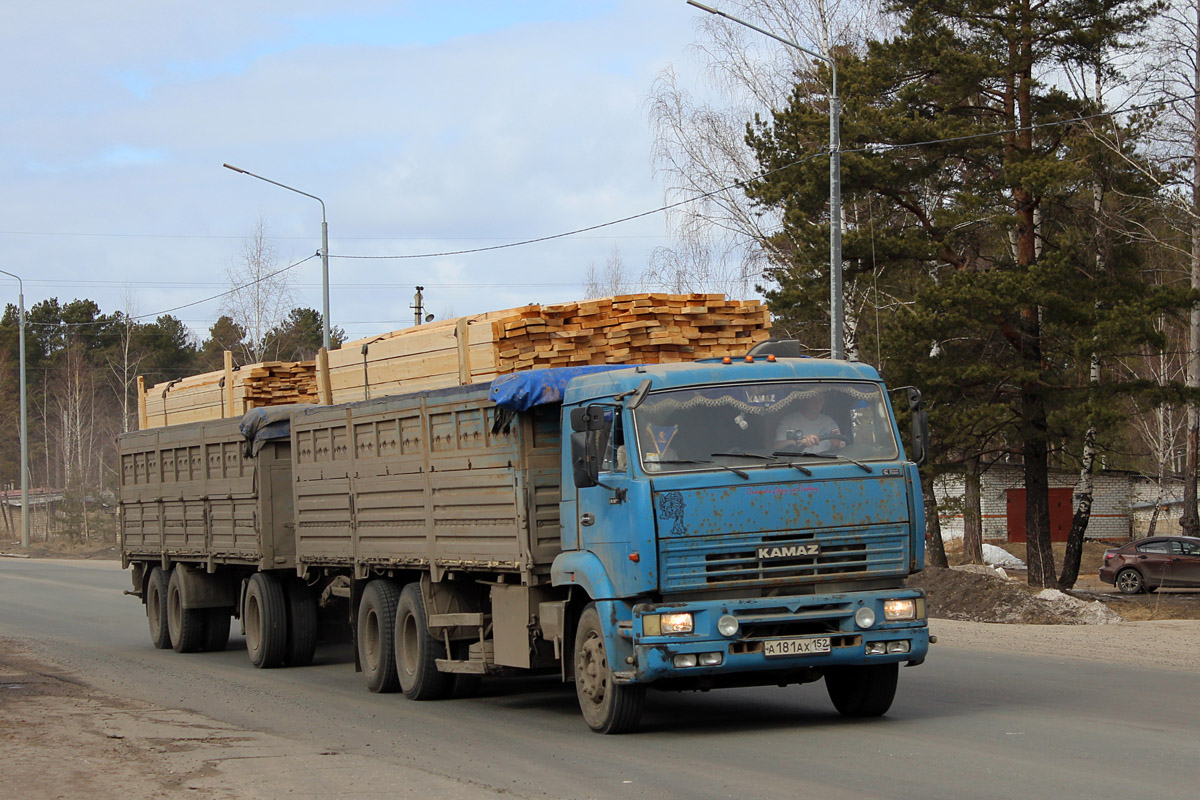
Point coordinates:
[(156, 608), (376, 635), (216, 629), (607, 706), (862, 691), (265, 617), (417, 651), (1130, 581), (302, 623), (185, 624)]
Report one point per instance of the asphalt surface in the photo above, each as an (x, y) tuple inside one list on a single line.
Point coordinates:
[(968, 723)]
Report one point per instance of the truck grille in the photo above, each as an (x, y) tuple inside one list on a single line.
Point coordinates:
[(732, 561)]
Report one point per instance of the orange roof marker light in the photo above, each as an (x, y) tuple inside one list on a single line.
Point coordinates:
[(726, 360)]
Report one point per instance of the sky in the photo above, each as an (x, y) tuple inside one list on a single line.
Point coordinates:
[(425, 127)]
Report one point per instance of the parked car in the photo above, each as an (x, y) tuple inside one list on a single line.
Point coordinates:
[(1148, 564)]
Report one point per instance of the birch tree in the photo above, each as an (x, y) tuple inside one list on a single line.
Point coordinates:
[(261, 294)]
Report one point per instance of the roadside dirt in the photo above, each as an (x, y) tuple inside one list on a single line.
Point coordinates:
[(62, 740)]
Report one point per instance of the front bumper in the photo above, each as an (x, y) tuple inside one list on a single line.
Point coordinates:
[(771, 619)]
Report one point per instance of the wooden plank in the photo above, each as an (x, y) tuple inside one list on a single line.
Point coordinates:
[(228, 410), (143, 419)]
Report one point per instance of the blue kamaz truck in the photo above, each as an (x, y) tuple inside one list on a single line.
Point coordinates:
[(670, 527)]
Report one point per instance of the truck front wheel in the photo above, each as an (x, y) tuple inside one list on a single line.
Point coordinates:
[(417, 652), (376, 634), (862, 691), (156, 608), (607, 706)]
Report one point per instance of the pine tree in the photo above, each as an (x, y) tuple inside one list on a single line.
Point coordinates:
[(962, 177)]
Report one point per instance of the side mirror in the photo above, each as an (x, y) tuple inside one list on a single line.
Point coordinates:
[(590, 418), (585, 462), (920, 427)]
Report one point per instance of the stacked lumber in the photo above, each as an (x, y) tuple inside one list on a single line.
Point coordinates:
[(627, 329), (630, 329), (275, 383), (220, 394)]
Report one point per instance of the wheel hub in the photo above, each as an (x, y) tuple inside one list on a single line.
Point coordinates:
[(592, 671)]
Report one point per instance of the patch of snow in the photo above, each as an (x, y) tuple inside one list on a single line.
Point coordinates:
[(1094, 613), (999, 557)]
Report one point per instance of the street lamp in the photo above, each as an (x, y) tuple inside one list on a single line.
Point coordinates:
[(324, 250), (836, 324), (24, 419)]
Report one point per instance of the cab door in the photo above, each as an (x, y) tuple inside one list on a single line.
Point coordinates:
[(610, 519)]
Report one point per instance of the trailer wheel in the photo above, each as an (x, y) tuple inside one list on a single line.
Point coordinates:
[(156, 608), (376, 632), (417, 652), (607, 706), (862, 691), (186, 625), (302, 623), (216, 628), (265, 617)]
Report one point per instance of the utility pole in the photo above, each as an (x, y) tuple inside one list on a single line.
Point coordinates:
[(836, 300), (418, 306)]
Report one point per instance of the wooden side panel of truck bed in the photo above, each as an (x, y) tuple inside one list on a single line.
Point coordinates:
[(188, 492), (423, 481)]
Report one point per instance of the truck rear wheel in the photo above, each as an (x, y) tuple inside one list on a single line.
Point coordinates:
[(417, 652), (862, 691), (216, 628), (376, 635), (607, 706), (186, 625), (265, 616), (156, 608), (302, 623)]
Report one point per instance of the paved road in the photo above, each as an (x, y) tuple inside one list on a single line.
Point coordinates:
[(966, 724)]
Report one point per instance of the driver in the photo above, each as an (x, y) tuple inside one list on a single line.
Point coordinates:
[(809, 428)]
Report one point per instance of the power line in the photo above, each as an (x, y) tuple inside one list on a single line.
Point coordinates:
[(739, 184)]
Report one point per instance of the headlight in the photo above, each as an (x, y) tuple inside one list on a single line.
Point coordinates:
[(865, 617), (677, 623), (898, 610), (727, 625), (666, 624)]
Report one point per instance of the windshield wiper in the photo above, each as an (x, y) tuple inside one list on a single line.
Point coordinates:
[(800, 467), (833, 456), (734, 470)]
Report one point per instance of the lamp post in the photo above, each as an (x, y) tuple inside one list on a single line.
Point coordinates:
[(836, 314), (324, 250), (24, 418)]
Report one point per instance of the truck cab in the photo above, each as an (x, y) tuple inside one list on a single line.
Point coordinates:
[(738, 523)]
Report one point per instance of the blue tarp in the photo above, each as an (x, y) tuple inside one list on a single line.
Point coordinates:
[(521, 391)]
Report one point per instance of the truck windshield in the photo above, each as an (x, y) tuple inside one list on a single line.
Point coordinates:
[(763, 425)]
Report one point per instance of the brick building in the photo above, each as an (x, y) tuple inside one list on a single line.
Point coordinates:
[(1117, 505)]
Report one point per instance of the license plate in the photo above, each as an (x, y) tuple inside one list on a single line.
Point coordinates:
[(806, 646)]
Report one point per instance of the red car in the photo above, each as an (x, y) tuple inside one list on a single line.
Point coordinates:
[(1148, 564)]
